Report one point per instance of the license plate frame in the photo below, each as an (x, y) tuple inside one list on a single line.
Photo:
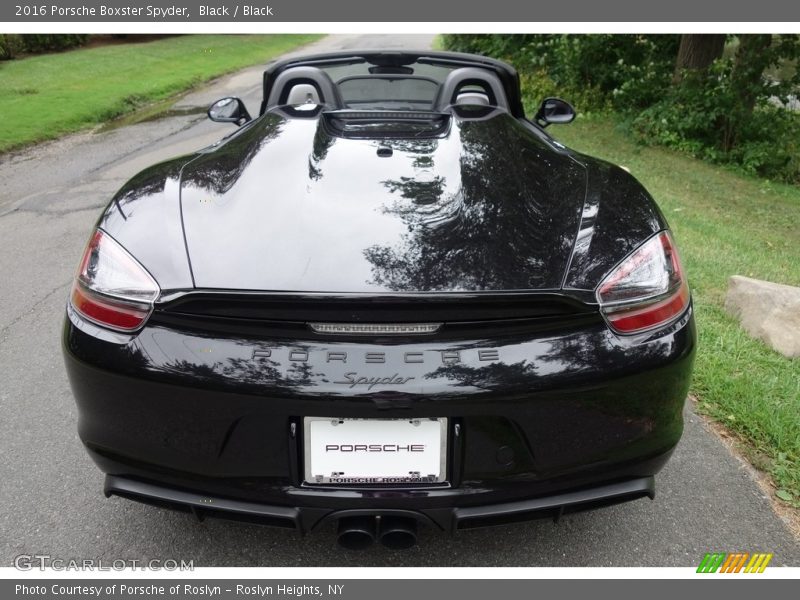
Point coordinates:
[(366, 432)]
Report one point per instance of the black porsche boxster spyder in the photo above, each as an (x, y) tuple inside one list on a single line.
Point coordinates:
[(389, 300)]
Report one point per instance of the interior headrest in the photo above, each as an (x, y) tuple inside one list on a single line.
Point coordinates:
[(472, 98), (303, 93)]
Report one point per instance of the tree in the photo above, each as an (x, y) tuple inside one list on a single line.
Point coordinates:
[(696, 52), (752, 58), (746, 83)]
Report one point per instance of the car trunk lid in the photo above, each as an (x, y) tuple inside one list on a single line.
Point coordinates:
[(292, 205)]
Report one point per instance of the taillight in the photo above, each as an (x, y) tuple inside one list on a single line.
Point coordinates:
[(646, 290), (111, 288)]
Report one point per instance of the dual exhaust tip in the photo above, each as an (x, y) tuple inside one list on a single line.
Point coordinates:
[(359, 533)]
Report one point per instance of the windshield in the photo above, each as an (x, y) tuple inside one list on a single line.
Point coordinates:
[(368, 86), (388, 92)]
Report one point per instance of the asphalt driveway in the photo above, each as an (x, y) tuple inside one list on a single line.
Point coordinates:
[(50, 497)]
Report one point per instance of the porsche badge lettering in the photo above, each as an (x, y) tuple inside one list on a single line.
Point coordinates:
[(447, 357), (353, 379)]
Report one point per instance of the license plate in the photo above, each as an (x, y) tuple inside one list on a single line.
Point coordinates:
[(375, 451)]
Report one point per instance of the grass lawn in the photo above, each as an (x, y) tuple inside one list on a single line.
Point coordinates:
[(46, 96), (725, 224)]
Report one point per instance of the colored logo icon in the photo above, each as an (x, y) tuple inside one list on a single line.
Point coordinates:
[(736, 562)]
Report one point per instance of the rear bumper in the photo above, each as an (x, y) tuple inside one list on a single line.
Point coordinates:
[(550, 420), (450, 520)]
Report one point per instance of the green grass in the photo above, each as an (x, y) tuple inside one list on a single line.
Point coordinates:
[(46, 96), (725, 224)]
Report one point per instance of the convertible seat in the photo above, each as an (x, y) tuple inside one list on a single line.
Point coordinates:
[(301, 85), (453, 92)]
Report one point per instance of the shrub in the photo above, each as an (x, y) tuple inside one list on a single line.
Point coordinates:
[(10, 45), (36, 43), (592, 71), (625, 71), (705, 115), (537, 85), (497, 46)]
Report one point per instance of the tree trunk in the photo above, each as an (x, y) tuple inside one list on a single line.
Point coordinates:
[(748, 68), (697, 52)]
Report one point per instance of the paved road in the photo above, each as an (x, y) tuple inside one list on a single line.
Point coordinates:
[(50, 495)]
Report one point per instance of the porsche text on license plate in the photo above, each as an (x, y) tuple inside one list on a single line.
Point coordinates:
[(375, 451)]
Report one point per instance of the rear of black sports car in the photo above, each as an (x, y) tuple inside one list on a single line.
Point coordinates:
[(448, 320)]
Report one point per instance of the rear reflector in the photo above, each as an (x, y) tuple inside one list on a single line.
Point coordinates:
[(652, 315), (111, 313), (646, 290), (111, 288)]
